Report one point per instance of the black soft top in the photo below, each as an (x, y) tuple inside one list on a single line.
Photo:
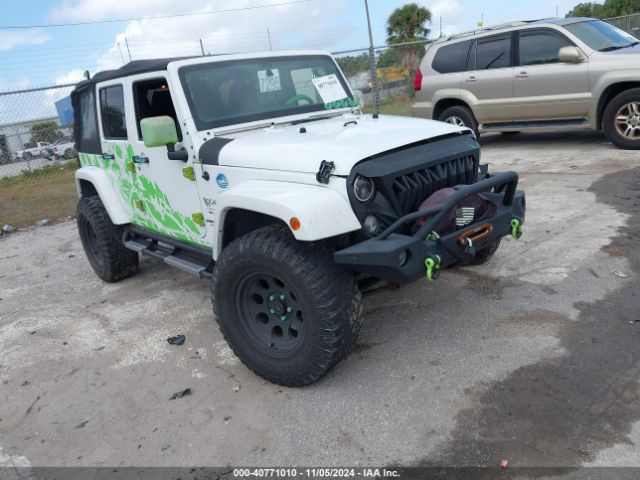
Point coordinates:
[(131, 68)]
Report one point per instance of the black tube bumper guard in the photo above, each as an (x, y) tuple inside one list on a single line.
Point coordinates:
[(402, 259)]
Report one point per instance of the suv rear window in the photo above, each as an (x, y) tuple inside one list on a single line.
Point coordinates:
[(492, 52), (451, 58), (112, 111)]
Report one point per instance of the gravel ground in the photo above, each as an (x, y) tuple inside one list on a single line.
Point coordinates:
[(532, 357)]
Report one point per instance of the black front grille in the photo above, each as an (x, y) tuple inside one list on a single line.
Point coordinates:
[(411, 189)]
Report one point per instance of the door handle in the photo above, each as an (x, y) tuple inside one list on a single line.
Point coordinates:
[(522, 74), (471, 78), (108, 156), (138, 159)]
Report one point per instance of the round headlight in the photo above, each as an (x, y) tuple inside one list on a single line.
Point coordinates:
[(364, 189)]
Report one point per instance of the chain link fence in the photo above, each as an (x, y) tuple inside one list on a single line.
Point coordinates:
[(629, 23), (394, 68), (35, 129)]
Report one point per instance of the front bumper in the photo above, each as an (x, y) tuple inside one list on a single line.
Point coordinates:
[(402, 259)]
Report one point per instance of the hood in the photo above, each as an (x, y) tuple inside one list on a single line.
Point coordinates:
[(344, 140)]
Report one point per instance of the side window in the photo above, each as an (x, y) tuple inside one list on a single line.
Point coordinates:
[(153, 99), (85, 120), (537, 48), (112, 112), (493, 52), (451, 58)]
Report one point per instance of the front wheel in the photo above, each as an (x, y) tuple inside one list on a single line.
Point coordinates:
[(460, 116), (286, 310), (621, 119)]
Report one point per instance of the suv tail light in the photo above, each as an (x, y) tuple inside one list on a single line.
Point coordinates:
[(417, 81), (55, 149)]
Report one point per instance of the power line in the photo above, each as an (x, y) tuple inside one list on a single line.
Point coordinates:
[(52, 25)]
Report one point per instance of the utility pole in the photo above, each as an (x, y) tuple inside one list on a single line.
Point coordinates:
[(372, 58), (127, 45), (269, 38), (557, 13), (201, 47), (440, 26)]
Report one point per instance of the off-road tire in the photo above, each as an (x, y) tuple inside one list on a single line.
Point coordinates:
[(484, 255), (609, 119), (328, 297), (464, 114), (102, 242)]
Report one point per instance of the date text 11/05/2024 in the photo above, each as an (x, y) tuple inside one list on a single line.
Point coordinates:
[(316, 472)]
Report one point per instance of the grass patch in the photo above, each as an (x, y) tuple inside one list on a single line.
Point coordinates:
[(398, 107), (48, 192)]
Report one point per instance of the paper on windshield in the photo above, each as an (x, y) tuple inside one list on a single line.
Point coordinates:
[(329, 88)]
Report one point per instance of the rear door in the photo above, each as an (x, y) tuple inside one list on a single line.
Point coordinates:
[(489, 78), (544, 87), (449, 61)]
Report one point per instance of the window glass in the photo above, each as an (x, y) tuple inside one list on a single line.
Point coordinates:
[(451, 58), (231, 92), (153, 99), (493, 52), (601, 35), (112, 112), (88, 123), (537, 48)]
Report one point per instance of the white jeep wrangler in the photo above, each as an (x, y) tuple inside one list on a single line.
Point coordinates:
[(261, 173)]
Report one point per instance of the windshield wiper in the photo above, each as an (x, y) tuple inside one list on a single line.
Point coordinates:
[(313, 118), (618, 47)]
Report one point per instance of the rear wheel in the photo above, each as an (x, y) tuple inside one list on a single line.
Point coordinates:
[(102, 242), (621, 119), (460, 116), (286, 310)]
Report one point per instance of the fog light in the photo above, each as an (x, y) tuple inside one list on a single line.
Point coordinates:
[(371, 224), (402, 258)]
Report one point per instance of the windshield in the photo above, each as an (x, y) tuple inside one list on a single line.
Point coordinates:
[(239, 91), (602, 36)]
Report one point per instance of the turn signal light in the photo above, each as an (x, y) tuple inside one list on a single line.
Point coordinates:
[(294, 223), (417, 81)]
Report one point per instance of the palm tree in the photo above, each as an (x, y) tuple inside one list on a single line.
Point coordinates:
[(407, 24)]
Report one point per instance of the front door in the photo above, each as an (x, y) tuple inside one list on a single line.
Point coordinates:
[(544, 87), (164, 193)]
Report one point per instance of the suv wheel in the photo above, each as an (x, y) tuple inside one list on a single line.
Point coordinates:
[(286, 310), (461, 116), (621, 119), (102, 242)]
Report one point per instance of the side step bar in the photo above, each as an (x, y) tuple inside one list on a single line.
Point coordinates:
[(195, 260)]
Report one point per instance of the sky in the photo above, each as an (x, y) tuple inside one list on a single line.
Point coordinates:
[(41, 56)]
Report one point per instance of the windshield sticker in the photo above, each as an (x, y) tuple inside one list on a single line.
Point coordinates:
[(269, 80), (329, 88), (344, 103)]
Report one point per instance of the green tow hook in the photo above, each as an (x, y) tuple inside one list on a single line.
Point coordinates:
[(433, 267), (516, 228)]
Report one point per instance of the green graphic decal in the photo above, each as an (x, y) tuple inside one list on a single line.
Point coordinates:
[(150, 207)]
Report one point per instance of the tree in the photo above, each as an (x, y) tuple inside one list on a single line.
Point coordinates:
[(44, 132), (352, 65), (407, 24), (608, 9)]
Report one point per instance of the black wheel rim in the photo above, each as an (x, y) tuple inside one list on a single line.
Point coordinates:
[(270, 314), (92, 244)]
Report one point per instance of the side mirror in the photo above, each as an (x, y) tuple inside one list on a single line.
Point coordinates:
[(570, 55), (158, 131)]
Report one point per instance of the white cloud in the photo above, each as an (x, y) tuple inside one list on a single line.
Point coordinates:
[(297, 26), (73, 76), (13, 38)]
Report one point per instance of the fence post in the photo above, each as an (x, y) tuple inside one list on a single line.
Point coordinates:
[(372, 59), (24, 154)]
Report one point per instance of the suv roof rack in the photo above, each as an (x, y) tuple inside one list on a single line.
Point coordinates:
[(500, 26)]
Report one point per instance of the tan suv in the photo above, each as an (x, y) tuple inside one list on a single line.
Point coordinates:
[(557, 74)]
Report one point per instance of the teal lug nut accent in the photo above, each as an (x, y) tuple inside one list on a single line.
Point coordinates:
[(283, 317), (282, 296), (272, 311), (272, 297), (289, 309)]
